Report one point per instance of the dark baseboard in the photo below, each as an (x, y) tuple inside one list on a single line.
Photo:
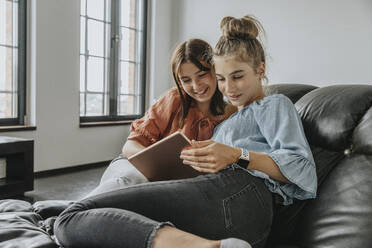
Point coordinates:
[(75, 168)]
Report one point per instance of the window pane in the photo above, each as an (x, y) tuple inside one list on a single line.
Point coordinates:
[(14, 97), (95, 78), (83, 7), (127, 78), (128, 41), (82, 73), (15, 69), (5, 105), (107, 75), (108, 40), (127, 105), (82, 35), (94, 104), (2, 21), (3, 68), (95, 38), (95, 9), (14, 41), (82, 104), (6, 22), (9, 67), (128, 13), (6, 71)]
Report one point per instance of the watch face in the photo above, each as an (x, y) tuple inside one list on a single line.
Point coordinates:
[(243, 163)]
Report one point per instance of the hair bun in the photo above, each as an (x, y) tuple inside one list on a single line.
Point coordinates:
[(246, 27)]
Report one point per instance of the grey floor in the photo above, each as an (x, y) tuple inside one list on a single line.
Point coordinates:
[(69, 186)]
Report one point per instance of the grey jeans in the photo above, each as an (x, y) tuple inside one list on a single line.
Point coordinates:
[(119, 174), (230, 203)]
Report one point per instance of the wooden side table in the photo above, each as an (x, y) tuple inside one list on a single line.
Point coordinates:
[(19, 155)]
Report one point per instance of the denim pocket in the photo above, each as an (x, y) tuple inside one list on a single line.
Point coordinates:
[(247, 215)]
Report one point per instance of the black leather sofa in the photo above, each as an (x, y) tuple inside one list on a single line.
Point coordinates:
[(338, 124)]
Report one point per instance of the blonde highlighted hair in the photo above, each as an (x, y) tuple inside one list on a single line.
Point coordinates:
[(240, 38)]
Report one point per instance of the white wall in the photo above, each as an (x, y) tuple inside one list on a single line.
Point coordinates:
[(317, 42), (163, 35)]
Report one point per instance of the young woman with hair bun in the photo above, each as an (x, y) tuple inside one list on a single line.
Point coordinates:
[(257, 158)]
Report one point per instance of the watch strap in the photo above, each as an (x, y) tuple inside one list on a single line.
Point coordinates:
[(245, 154), (244, 158)]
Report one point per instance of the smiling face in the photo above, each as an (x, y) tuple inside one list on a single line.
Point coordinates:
[(238, 81), (198, 84)]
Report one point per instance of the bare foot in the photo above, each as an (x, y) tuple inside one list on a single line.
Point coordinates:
[(170, 237)]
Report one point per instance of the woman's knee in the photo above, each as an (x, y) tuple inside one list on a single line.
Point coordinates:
[(121, 167), (248, 213), (65, 222)]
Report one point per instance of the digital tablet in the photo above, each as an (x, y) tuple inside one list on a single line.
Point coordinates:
[(161, 161)]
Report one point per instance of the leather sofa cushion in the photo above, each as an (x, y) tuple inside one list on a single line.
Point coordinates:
[(23, 225), (287, 217), (330, 115), (22, 230), (362, 138), (292, 91), (11, 205), (341, 215)]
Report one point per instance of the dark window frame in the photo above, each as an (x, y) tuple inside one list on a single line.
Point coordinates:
[(114, 75), (22, 57)]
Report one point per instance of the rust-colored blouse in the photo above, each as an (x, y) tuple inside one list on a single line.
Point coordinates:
[(162, 119)]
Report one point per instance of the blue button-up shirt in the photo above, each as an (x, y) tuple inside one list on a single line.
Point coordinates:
[(273, 126)]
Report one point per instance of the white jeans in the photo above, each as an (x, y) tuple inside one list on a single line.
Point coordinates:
[(119, 174)]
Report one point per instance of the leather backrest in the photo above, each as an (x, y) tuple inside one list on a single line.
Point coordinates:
[(292, 91), (338, 124), (362, 136), (341, 215), (340, 118), (331, 114)]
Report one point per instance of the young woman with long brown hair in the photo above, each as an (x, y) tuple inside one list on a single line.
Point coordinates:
[(194, 107)]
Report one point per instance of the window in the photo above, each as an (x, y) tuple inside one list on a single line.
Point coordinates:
[(112, 59), (12, 62)]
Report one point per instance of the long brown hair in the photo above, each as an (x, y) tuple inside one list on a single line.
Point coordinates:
[(195, 51)]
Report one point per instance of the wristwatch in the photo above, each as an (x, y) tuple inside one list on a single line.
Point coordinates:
[(244, 158)]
